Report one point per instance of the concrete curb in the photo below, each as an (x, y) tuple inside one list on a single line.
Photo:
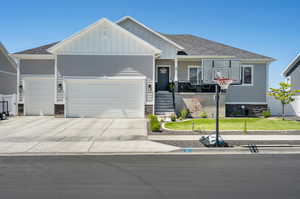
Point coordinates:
[(292, 149)]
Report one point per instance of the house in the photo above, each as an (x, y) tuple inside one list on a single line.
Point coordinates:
[(8, 73), (8, 81), (124, 69), (292, 73)]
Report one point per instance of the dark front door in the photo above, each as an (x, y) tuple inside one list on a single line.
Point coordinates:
[(163, 78)]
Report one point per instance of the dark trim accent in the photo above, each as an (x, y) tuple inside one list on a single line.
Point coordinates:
[(20, 109), (202, 88), (148, 109), (59, 110), (249, 110)]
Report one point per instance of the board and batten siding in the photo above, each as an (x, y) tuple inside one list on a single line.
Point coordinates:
[(295, 78), (8, 83), (105, 39), (37, 67), (5, 64), (107, 65), (8, 76), (255, 93), (168, 50), (183, 67)]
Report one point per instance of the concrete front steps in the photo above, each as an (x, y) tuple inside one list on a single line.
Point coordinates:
[(164, 103)]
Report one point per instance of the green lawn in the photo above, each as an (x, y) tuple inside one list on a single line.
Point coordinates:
[(235, 124)]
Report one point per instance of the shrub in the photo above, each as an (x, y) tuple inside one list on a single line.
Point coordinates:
[(154, 123), (266, 113), (203, 115), (184, 113), (173, 117)]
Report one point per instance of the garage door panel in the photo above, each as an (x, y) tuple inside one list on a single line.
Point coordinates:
[(39, 96), (105, 98)]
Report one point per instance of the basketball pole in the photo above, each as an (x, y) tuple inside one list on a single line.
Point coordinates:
[(217, 114)]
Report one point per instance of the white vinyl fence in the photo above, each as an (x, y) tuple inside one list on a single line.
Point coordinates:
[(12, 103), (292, 109)]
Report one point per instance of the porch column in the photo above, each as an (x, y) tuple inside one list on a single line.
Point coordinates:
[(176, 74)]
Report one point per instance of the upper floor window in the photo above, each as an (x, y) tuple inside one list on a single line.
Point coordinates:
[(194, 74), (247, 74)]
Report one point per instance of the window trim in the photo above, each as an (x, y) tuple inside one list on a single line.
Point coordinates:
[(198, 67), (242, 75)]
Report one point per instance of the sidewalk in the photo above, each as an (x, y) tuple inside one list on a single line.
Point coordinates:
[(229, 137)]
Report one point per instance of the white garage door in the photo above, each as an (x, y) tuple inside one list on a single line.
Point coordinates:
[(39, 96), (105, 98)]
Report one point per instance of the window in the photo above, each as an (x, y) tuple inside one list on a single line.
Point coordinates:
[(247, 74), (194, 74)]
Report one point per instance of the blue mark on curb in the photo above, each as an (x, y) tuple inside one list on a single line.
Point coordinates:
[(187, 150)]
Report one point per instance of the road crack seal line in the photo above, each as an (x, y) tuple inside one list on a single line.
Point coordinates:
[(158, 192)]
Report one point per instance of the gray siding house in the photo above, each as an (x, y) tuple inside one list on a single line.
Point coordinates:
[(125, 70), (292, 72), (8, 73)]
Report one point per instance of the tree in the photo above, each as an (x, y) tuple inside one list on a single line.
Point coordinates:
[(284, 94)]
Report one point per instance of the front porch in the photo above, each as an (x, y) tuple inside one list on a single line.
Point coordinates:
[(179, 85)]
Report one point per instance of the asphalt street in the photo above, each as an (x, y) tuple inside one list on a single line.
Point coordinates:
[(151, 176)]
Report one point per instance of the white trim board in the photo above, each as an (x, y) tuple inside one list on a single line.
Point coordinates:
[(290, 65), (150, 30), (9, 73), (33, 56), (103, 77)]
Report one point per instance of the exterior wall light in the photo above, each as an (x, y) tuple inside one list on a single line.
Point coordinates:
[(149, 88), (60, 87)]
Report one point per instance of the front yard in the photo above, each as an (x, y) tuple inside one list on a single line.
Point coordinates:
[(235, 124)]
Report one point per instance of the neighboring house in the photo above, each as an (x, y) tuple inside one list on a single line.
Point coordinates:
[(292, 72), (8, 81), (292, 76), (8, 73), (124, 69)]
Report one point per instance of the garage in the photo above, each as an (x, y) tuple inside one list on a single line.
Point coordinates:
[(39, 95), (105, 98)]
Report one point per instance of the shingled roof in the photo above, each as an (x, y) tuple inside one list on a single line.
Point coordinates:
[(38, 50), (193, 45)]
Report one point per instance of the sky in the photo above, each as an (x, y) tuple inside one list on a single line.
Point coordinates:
[(268, 27)]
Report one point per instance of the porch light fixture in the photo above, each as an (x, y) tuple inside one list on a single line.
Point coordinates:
[(149, 87), (20, 88)]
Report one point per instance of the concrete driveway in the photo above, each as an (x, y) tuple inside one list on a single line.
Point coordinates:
[(76, 135)]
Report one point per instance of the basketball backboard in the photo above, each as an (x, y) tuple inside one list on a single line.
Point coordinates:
[(220, 68)]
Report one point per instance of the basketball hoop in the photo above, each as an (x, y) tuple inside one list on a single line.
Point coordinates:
[(223, 82)]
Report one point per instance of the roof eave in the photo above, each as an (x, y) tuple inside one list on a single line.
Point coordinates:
[(7, 55), (179, 47), (33, 56), (288, 69)]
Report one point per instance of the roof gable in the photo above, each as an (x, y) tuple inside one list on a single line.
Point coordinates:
[(103, 37), (6, 62), (292, 66)]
